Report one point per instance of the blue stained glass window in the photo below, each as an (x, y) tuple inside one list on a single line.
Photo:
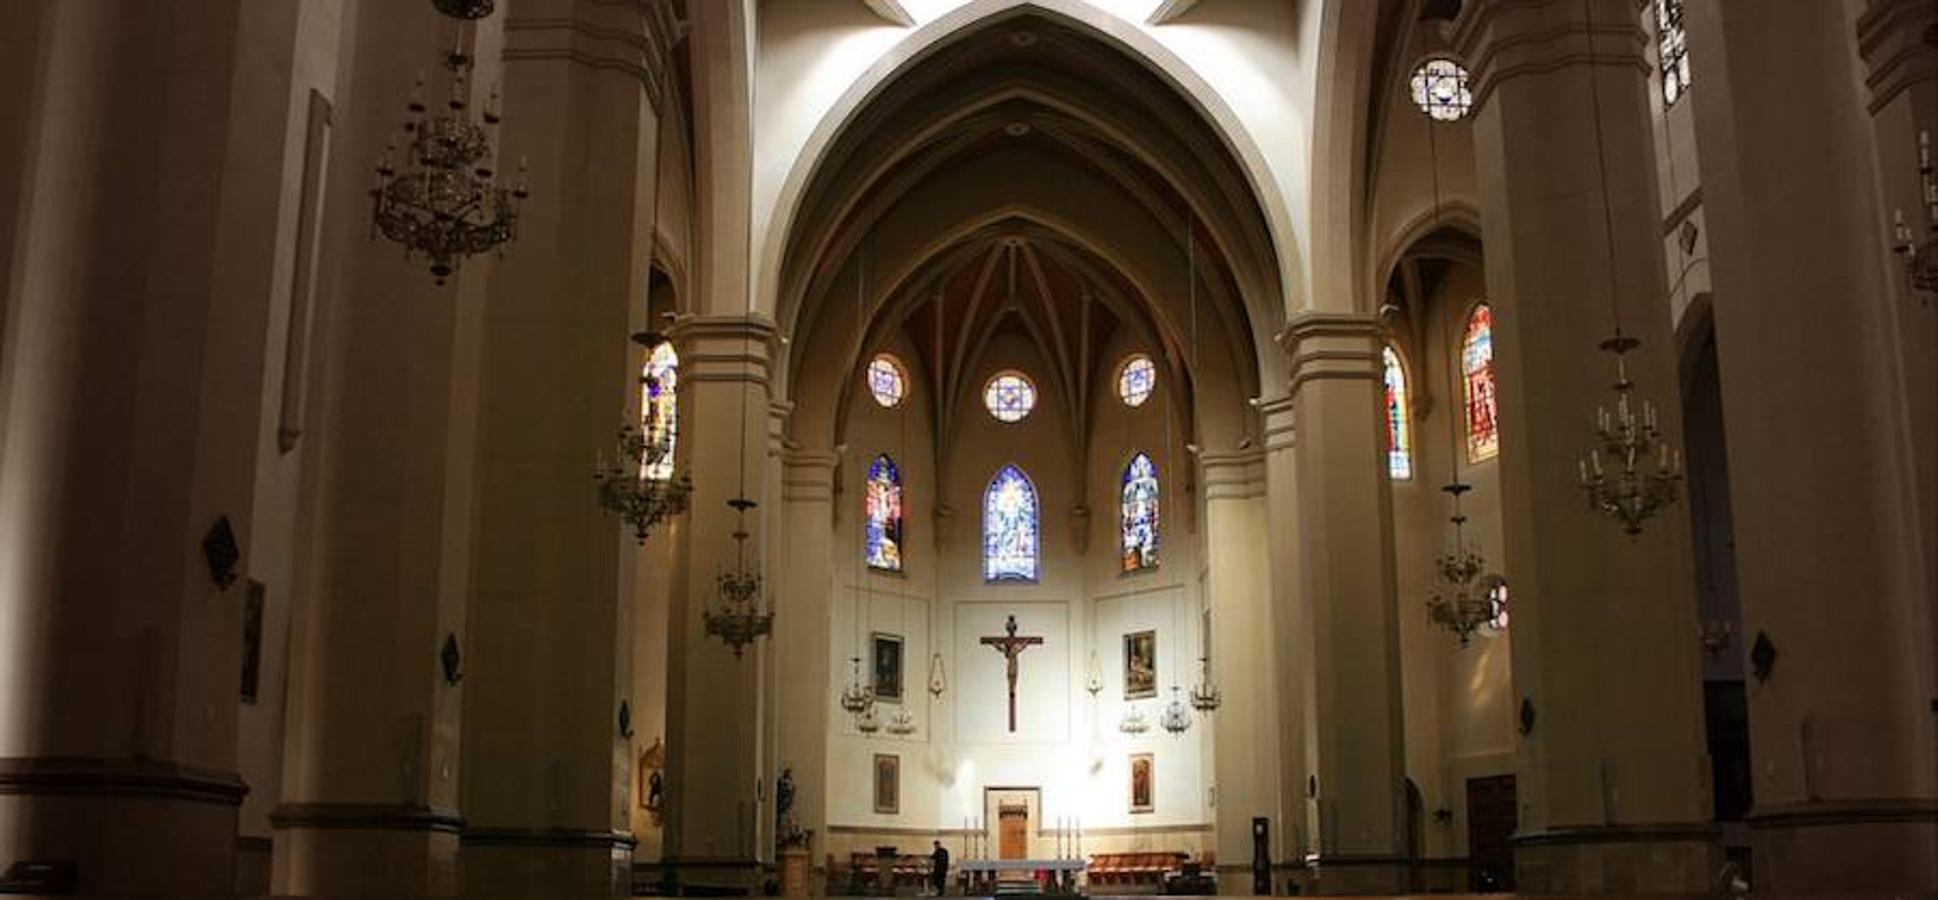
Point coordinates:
[(1139, 511), (887, 381), (1009, 397), (1137, 380), (659, 408), (1009, 528), (1477, 367), (1399, 433), (882, 537)]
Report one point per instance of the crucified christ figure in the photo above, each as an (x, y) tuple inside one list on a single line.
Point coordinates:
[(1010, 645)]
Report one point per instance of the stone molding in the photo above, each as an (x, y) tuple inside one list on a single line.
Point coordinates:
[(1501, 40), (1570, 835), (1233, 475), (594, 839), (645, 53), (1896, 39), (1328, 346), (734, 349), (365, 817), (808, 475), (1827, 813), (42, 776), (1280, 431)]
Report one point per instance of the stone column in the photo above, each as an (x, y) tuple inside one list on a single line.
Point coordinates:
[(1245, 750), (714, 698), (1345, 577), (1291, 635), (370, 781), (141, 191), (801, 618), (548, 768), (1842, 742), (1611, 770)]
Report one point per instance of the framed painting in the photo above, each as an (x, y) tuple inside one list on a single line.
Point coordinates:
[(887, 665), (888, 784), (1140, 665), (1143, 789)]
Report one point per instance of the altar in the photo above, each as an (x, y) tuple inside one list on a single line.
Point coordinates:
[(985, 873)]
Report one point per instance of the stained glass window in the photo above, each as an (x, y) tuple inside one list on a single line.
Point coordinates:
[(1399, 432), (882, 537), (1137, 380), (1440, 90), (1009, 396), (1673, 46), (886, 380), (1477, 365), (659, 409), (1139, 509), (1009, 523)]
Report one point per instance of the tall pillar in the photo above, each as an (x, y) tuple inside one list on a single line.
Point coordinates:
[(548, 766), (1841, 726), (714, 698), (1611, 768), (1291, 635), (1245, 750), (137, 195), (800, 649), (1345, 577), (371, 775)]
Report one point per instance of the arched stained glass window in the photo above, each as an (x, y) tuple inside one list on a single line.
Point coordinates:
[(882, 534), (1009, 528), (659, 409), (1136, 380), (887, 381), (1672, 42), (1009, 396), (1399, 431), (1477, 367), (1139, 512)]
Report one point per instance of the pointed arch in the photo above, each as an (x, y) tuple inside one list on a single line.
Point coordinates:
[(882, 516), (1477, 374), (1011, 542), (1138, 514), (1399, 423)]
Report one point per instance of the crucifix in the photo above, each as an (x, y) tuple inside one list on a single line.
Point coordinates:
[(1010, 646)]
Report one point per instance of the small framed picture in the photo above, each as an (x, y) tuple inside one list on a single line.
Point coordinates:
[(1143, 789), (888, 784), (1140, 665), (887, 666)]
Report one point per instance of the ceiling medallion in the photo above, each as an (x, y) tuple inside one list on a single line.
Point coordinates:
[(1017, 129), (466, 9), (1023, 39)]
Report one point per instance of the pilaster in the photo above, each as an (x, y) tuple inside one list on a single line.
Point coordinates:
[(801, 646), (1610, 772)]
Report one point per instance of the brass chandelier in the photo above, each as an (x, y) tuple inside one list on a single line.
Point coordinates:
[(442, 199), (628, 488), (739, 618), (1463, 601)]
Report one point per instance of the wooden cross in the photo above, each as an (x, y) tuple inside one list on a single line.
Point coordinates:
[(1010, 646)]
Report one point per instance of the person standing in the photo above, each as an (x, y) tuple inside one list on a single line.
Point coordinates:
[(939, 869)]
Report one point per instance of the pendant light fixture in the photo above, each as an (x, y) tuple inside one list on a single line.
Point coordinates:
[(740, 615), (1205, 697), (1629, 472)]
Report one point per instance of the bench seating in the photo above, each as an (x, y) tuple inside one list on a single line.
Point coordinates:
[(863, 871), (1146, 868)]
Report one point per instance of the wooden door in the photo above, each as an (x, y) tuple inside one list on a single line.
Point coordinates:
[(1013, 832), (1491, 820)]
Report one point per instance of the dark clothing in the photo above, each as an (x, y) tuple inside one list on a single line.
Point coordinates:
[(939, 870)]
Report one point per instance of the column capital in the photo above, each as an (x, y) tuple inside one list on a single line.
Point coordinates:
[(1330, 346), (1280, 429), (1501, 40), (1899, 42), (1234, 474), (635, 37), (808, 474), (725, 348)]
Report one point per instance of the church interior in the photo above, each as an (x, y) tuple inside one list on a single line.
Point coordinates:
[(876, 447)]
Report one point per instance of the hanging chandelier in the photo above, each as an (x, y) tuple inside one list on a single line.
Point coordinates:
[(465, 9), (1206, 697), (1629, 473), (857, 697), (1921, 260), (739, 618), (1093, 676), (938, 677), (901, 723), (1133, 723), (443, 201), (1176, 719), (867, 722), (628, 490), (1462, 602)]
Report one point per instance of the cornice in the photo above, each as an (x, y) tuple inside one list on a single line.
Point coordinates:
[(1501, 40), (1898, 40)]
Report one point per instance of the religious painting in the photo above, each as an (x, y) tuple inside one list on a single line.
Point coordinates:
[(888, 667), (1140, 665), (1143, 791), (888, 784), (252, 607)]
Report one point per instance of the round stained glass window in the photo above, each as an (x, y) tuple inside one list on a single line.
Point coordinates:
[(1440, 90), (1136, 380), (1009, 396), (886, 381)]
